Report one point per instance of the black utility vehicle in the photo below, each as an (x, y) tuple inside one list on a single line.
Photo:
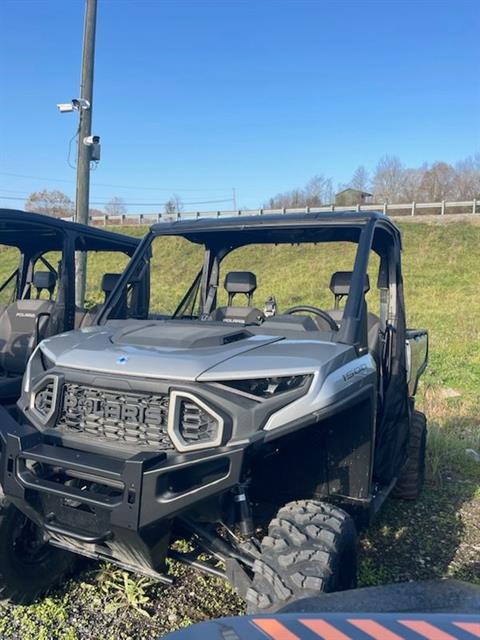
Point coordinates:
[(37, 285), (265, 435)]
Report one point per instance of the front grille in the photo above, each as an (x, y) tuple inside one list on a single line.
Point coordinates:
[(116, 416), (196, 425)]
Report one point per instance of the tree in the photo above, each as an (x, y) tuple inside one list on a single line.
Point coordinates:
[(173, 206), (317, 191), (467, 180), (50, 203), (438, 182), (388, 180), (360, 179), (116, 207), (412, 184)]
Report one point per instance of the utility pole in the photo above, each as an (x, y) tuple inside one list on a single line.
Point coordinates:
[(84, 147), (234, 199)]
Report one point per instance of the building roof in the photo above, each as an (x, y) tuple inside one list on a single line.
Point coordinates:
[(350, 190)]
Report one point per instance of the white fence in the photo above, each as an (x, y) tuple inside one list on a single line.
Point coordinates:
[(410, 209)]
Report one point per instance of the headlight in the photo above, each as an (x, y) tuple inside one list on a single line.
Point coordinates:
[(269, 387), (192, 424)]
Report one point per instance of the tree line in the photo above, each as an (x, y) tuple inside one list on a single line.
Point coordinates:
[(392, 182), (58, 205)]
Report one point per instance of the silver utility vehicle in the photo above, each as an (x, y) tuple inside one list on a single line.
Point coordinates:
[(267, 436)]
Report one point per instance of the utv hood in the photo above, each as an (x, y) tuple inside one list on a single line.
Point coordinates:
[(179, 350)]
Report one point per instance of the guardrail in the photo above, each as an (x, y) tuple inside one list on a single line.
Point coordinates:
[(404, 209)]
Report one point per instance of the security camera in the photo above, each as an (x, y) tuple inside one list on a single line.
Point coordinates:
[(93, 142), (80, 103), (75, 105), (90, 140), (65, 107)]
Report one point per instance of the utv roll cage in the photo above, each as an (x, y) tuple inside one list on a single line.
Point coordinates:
[(35, 234), (370, 230), (26, 318)]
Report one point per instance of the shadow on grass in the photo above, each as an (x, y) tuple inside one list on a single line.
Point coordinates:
[(436, 536)]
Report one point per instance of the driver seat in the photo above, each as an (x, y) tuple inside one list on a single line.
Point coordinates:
[(86, 318), (239, 282)]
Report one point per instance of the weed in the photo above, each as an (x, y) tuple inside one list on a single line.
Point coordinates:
[(124, 590)]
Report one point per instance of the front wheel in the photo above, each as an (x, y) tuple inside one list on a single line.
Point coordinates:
[(29, 566), (311, 548)]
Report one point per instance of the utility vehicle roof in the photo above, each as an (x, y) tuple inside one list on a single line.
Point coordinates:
[(27, 230), (277, 228)]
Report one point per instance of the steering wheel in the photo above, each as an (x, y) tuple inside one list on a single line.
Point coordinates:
[(316, 311)]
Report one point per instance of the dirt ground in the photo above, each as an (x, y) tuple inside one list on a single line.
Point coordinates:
[(435, 537)]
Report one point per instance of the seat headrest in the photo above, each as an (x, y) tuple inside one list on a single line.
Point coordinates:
[(341, 280), (240, 282), (109, 281), (44, 280)]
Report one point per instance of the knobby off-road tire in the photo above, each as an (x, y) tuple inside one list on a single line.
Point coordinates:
[(311, 547), (28, 567), (410, 482)]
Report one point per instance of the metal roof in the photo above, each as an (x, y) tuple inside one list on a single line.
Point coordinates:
[(24, 229), (287, 225), (352, 190)]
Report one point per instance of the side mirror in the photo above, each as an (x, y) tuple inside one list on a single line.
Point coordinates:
[(141, 293), (417, 357)]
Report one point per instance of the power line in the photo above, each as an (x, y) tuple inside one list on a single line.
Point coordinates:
[(12, 190), (115, 186), (132, 204)]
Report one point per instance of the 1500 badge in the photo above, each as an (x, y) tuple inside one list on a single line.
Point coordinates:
[(354, 372)]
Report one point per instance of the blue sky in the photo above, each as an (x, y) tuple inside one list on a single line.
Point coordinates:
[(199, 97)]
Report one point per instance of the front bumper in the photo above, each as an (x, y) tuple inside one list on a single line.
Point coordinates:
[(123, 507)]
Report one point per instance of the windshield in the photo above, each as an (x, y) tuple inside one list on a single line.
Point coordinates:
[(294, 274), (174, 264), (186, 280)]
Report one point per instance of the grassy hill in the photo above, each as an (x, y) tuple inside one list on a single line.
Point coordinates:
[(437, 536)]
